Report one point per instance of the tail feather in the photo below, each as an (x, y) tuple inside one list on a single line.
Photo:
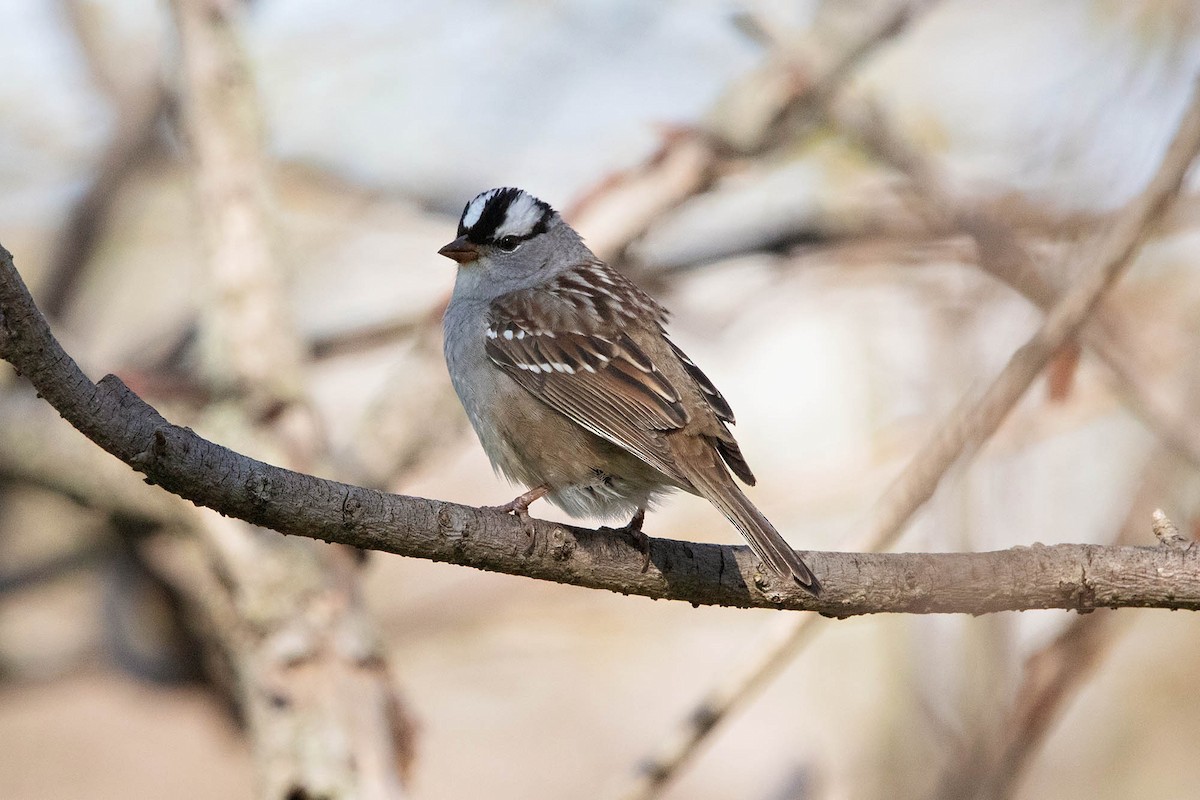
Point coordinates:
[(765, 541)]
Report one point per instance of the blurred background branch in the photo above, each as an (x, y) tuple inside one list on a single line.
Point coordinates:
[(991, 756), (310, 678), (142, 106)]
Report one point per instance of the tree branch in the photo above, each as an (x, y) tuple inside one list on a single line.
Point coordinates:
[(1079, 577), (1001, 254), (293, 625), (966, 428)]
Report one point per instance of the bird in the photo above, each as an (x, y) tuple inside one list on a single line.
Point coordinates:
[(573, 386)]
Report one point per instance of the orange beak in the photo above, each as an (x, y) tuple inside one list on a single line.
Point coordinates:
[(461, 250)]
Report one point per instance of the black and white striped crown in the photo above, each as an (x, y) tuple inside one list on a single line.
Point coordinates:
[(508, 214)]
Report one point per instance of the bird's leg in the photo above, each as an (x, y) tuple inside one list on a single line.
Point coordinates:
[(520, 505), (640, 540)]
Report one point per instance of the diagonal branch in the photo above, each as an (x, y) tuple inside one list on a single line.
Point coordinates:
[(974, 421), (1002, 255)]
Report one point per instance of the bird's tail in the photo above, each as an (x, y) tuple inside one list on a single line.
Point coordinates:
[(719, 489)]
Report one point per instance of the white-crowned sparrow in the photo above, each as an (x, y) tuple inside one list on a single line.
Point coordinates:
[(572, 385)]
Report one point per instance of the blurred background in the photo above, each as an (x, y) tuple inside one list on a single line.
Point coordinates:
[(236, 207)]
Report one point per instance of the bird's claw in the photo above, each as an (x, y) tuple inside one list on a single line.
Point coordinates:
[(635, 533), (519, 506)]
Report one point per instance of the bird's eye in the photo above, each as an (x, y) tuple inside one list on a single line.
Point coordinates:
[(509, 243)]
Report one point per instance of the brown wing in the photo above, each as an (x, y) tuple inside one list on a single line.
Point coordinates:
[(569, 344), (716, 401), (723, 441)]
